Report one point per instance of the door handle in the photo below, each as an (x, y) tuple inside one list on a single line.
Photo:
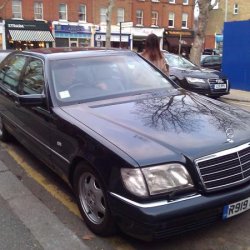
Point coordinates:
[(17, 103)]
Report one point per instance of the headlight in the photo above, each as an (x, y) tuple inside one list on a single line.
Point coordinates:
[(134, 181), (159, 179), (195, 80)]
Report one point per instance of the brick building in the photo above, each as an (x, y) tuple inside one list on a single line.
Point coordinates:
[(227, 10), (30, 23)]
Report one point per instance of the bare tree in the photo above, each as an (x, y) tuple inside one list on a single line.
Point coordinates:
[(109, 20), (205, 6)]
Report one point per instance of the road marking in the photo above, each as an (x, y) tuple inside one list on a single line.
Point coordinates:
[(118, 243), (65, 199)]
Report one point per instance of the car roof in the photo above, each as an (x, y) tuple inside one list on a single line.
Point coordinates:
[(64, 53)]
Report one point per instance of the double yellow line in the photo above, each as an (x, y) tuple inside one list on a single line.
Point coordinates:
[(65, 199)]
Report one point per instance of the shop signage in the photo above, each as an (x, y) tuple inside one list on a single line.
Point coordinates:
[(136, 31), (26, 25), (178, 33), (72, 29), (114, 38)]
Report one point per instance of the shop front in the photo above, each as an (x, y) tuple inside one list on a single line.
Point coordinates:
[(178, 41), (2, 35), (72, 34), (28, 34), (118, 38), (139, 36)]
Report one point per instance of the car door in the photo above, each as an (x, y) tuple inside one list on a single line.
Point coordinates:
[(31, 124), (217, 62)]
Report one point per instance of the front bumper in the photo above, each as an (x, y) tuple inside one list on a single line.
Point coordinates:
[(152, 221)]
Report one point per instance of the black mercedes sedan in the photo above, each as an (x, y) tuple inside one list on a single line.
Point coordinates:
[(204, 81), (140, 153)]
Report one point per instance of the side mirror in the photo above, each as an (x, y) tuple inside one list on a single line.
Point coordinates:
[(31, 100)]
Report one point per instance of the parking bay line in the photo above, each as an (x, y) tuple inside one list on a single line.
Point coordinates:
[(52, 189), (119, 244)]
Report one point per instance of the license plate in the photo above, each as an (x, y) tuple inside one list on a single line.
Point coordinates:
[(220, 86), (236, 208)]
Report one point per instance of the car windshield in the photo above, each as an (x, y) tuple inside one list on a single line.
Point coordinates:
[(98, 77), (178, 61)]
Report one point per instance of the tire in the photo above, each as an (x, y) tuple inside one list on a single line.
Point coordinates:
[(5, 136), (90, 191)]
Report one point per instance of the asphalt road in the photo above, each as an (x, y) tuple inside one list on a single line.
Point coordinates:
[(58, 199)]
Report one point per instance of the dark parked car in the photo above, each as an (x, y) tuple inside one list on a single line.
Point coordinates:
[(211, 62), (211, 52), (139, 152), (200, 80)]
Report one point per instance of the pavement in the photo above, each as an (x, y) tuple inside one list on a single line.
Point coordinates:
[(26, 223), (238, 95)]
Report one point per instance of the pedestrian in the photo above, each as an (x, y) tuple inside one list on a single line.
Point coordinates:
[(153, 53)]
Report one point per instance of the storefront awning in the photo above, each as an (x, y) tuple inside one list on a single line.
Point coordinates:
[(31, 35)]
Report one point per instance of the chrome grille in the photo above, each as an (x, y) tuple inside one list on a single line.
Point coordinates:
[(217, 80), (225, 168)]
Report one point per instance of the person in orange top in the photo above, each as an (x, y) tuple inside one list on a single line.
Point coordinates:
[(153, 54)]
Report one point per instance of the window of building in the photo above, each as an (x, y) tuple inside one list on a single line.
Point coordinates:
[(82, 13), (155, 1), (171, 20), (236, 9), (120, 15), (154, 18), (38, 10), (139, 17), (184, 20), (185, 2), (171, 1), (16, 9), (103, 13), (63, 15)]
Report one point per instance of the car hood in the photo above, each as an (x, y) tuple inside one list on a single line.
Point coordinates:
[(196, 72), (158, 128)]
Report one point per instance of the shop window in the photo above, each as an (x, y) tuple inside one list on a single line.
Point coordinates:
[(63, 11), (236, 9), (38, 10), (154, 18), (82, 13), (171, 19), (103, 13), (33, 79), (184, 20), (62, 42), (120, 15), (139, 17), (16, 9)]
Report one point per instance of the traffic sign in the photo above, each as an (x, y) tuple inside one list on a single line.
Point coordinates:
[(126, 24)]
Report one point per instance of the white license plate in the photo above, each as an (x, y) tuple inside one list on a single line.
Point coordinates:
[(236, 208), (220, 86)]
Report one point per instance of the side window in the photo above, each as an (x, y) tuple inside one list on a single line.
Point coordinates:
[(217, 59), (33, 79), (208, 60), (11, 71)]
